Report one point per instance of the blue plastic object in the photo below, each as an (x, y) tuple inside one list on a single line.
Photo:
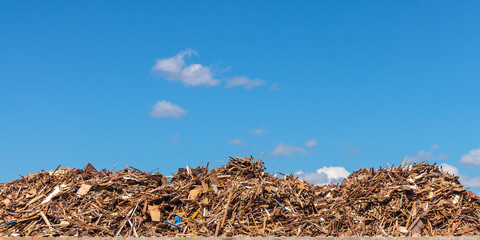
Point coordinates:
[(172, 224), (12, 222), (177, 219)]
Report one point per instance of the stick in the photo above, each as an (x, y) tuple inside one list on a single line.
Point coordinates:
[(56, 170)]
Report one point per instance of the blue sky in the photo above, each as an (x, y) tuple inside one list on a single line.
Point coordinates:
[(314, 85)]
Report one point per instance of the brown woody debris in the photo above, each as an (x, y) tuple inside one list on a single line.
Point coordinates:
[(237, 199)]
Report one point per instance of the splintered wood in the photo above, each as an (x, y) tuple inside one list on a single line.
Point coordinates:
[(84, 188), (239, 199)]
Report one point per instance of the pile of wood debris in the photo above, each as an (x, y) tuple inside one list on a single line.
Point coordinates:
[(237, 199)]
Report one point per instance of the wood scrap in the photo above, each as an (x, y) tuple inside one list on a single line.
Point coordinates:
[(239, 198)]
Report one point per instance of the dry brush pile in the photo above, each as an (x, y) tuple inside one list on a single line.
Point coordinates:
[(239, 198)]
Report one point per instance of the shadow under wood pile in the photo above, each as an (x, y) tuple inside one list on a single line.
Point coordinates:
[(237, 199)]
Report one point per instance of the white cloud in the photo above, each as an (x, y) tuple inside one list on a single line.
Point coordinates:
[(449, 168), (237, 141), (259, 132), (314, 178), (324, 175), (334, 172), (472, 158), (174, 68), (246, 82), (167, 109), (426, 156), (470, 182), (283, 149), (311, 143)]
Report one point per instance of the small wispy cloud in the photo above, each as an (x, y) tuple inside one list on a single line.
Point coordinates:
[(311, 143), (259, 132), (246, 82), (352, 151), (426, 156), (324, 175), (472, 158), (274, 87), (283, 149), (175, 69), (237, 141), (176, 138), (165, 108)]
